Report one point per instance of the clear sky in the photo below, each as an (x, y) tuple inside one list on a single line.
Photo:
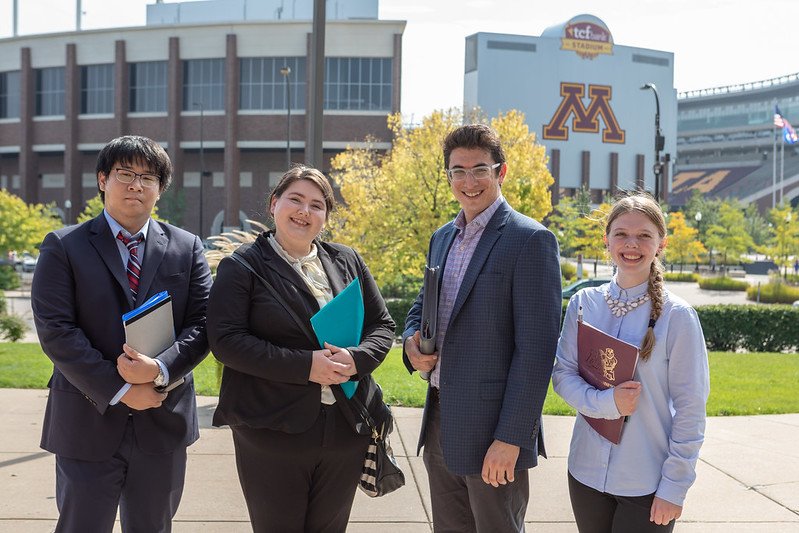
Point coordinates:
[(715, 42)]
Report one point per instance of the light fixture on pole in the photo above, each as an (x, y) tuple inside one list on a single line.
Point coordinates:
[(202, 162), (660, 140), (698, 218), (67, 211), (286, 72)]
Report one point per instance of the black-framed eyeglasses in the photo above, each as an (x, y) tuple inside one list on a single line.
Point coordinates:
[(480, 172), (148, 181)]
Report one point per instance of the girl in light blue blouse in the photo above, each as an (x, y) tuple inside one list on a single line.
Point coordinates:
[(640, 484)]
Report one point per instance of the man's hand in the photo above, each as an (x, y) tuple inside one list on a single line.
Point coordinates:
[(419, 361), (343, 356), (135, 367), (325, 371), (626, 397), (499, 463), (143, 396), (663, 511)]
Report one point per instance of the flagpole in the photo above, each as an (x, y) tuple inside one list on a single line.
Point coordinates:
[(774, 172), (782, 170)]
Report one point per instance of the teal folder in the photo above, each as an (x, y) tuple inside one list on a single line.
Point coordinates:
[(340, 323)]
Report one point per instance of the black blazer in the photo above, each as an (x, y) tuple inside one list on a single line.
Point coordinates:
[(267, 357), (79, 294)]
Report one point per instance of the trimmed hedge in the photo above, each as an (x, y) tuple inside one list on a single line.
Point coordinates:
[(754, 328), (722, 283), (9, 278), (680, 276), (773, 293), (398, 309)]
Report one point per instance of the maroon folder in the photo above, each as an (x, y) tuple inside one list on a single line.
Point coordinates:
[(604, 361)]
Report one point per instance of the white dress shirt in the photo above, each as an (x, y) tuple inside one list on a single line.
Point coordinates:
[(661, 439)]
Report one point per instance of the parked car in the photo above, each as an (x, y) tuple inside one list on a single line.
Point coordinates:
[(569, 291), (28, 262)]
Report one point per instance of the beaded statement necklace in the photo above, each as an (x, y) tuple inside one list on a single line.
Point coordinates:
[(620, 308)]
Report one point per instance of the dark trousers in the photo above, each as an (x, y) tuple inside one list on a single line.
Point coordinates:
[(296, 483), (146, 488), (464, 504), (600, 512)]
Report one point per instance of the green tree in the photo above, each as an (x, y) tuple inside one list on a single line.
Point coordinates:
[(394, 202), (23, 226), (728, 235), (784, 241), (590, 233), (563, 223), (756, 226), (683, 243)]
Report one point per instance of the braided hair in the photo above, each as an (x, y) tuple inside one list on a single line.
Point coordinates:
[(644, 203)]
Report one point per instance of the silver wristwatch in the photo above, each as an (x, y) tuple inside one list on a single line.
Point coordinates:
[(160, 379)]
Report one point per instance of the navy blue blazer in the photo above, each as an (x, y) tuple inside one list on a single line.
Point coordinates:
[(500, 343), (79, 294)]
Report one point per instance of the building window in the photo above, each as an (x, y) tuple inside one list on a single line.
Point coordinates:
[(148, 87), (9, 94), (50, 91), (264, 87), (358, 83), (97, 89), (204, 84)]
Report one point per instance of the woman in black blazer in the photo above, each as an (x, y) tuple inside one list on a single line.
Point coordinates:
[(297, 456)]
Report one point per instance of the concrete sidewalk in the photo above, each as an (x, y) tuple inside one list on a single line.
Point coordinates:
[(748, 477)]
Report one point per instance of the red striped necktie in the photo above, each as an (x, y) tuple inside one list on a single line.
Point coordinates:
[(134, 264)]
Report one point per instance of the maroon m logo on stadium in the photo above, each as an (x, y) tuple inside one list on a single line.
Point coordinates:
[(585, 118)]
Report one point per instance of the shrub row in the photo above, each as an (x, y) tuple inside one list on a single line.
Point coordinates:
[(722, 283), (773, 293), (754, 328), (9, 278), (680, 276)]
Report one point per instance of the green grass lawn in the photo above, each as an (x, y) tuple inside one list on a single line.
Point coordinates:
[(740, 384)]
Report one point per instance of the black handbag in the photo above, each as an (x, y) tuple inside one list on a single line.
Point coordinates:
[(366, 412), (380, 474)]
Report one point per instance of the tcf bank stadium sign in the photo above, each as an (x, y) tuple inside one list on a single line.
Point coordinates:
[(587, 39)]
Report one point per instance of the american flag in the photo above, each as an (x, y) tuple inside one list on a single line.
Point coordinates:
[(788, 133), (779, 121)]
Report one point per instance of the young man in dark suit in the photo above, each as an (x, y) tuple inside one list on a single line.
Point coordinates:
[(119, 440), (498, 322)]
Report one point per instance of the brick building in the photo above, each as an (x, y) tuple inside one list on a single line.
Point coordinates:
[(212, 92)]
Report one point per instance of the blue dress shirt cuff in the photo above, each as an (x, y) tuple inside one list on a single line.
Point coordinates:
[(115, 400)]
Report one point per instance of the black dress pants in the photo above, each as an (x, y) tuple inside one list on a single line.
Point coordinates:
[(146, 488), (300, 483), (600, 512)]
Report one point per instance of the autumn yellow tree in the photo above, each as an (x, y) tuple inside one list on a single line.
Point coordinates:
[(394, 202), (590, 233), (683, 241), (22, 225)]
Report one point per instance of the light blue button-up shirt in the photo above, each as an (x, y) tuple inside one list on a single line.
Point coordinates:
[(660, 442), (124, 254)]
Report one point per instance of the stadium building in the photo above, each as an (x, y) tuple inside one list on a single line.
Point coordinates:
[(213, 82), (581, 95), (729, 147)]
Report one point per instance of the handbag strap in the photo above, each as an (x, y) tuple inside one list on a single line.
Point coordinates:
[(338, 391), (237, 257)]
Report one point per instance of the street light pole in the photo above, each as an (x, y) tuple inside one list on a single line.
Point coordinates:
[(67, 211), (286, 71), (202, 162), (660, 140)]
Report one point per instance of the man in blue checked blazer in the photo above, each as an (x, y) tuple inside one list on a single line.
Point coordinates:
[(499, 308)]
